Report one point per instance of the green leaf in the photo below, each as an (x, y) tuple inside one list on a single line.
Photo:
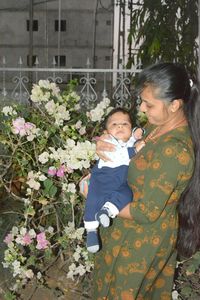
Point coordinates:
[(52, 191), (48, 184)]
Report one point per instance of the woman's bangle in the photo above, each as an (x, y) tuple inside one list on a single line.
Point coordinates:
[(96, 138)]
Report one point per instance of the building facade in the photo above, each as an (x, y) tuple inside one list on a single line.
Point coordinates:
[(64, 33)]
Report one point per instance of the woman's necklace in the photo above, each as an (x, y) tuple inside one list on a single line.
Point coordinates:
[(158, 131)]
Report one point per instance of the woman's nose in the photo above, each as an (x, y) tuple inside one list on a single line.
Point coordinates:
[(142, 107)]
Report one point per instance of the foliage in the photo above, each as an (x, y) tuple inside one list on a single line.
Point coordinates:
[(167, 31), (46, 148), (187, 279)]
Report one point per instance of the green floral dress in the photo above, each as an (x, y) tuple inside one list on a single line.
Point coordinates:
[(138, 257)]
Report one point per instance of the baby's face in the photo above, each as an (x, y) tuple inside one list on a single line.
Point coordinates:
[(119, 126)]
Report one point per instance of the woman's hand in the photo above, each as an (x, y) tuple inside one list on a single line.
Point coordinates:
[(102, 145)]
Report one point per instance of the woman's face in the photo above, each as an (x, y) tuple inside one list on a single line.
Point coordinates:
[(157, 111)]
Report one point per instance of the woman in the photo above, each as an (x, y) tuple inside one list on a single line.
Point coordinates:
[(138, 256)]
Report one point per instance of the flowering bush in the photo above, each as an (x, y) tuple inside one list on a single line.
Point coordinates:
[(46, 148)]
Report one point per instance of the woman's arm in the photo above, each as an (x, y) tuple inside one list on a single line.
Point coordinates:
[(102, 146), (125, 212)]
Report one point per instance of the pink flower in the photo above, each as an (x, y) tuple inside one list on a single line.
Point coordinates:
[(19, 126), (52, 171), (8, 239), (61, 171), (42, 243), (28, 126), (27, 239)]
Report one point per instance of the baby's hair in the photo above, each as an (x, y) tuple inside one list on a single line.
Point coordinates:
[(116, 110)]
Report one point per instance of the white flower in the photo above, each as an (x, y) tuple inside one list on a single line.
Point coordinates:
[(71, 188), (5, 265), (44, 83), (32, 233), (42, 177), (82, 130), (72, 199), (80, 270), (65, 128), (78, 124), (29, 273), (39, 275), (50, 107), (14, 230), (8, 110), (17, 268), (77, 107), (23, 231), (26, 201), (61, 115), (76, 256), (97, 114), (50, 229), (32, 181), (28, 193), (175, 295), (70, 143), (43, 157)]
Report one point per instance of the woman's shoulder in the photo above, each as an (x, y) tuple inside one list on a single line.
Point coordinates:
[(180, 141)]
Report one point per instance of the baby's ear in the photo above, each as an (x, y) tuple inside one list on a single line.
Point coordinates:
[(105, 131)]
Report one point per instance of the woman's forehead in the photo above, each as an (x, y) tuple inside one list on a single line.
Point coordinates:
[(150, 94)]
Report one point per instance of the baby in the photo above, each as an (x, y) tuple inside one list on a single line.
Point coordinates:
[(108, 190)]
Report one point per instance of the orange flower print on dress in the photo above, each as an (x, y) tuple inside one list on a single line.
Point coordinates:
[(141, 163), (125, 252), (161, 264), (138, 195), (174, 197), (183, 158), (154, 214), (156, 241), (108, 259), (108, 277), (151, 274), (160, 283), (142, 207), (99, 284), (140, 180), (127, 295), (164, 226), (116, 234), (168, 151), (165, 296), (122, 270), (115, 251), (150, 155), (184, 176), (156, 164), (168, 271), (137, 244)]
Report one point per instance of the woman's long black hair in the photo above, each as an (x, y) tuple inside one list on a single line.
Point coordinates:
[(171, 82)]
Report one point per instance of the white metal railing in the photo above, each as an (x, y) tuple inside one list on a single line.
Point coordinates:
[(16, 83)]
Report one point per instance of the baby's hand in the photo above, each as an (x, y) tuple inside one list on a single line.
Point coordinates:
[(138, 133)]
